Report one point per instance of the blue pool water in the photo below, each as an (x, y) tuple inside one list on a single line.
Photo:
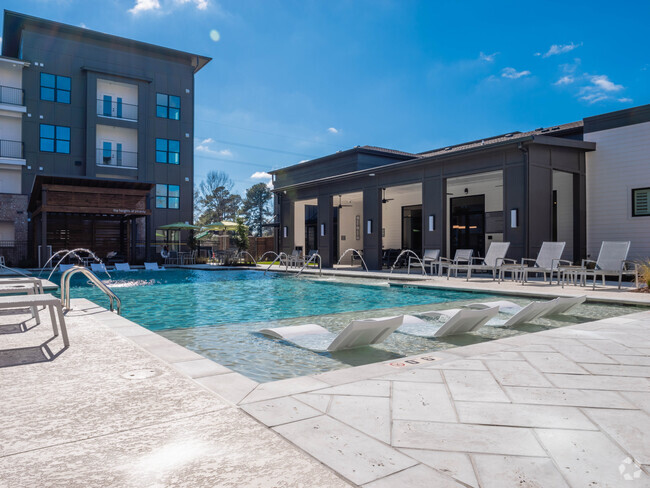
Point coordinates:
[(174, 299), (218, 314)]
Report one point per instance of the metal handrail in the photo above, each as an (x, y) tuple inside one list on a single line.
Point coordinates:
[(65, 287), (279, 257), (3, 266), (320, 267)]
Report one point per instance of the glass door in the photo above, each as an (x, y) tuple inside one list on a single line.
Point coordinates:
[(412, 228), (468, 224)]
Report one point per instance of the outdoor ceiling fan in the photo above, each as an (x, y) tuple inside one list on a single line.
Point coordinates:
[(340, 205), (383, 196)]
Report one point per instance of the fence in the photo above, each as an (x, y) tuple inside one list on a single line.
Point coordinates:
[(15, 253)]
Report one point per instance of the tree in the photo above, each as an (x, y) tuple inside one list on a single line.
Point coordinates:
[(214, 201), (241, 235), (257, 206)]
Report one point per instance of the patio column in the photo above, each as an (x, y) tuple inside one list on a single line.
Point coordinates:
[(433, 199), (325, 230), (371, 227), (286, 224), (44, 257)]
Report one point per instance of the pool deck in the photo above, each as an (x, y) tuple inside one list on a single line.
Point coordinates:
[(123, 406)]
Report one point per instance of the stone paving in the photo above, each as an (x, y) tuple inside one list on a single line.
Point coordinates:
[(124, 406)]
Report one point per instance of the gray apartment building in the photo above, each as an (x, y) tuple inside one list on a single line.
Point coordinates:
[(107, 136), (582, 183)]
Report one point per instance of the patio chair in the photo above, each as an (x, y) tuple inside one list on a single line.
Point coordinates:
[(2, 261), (191, 257), (32, 302), (295, 258), (494, 258), (153, 267), (612, 261), (172, 258), (431, 257), (357, 334), (454, 321), (461, 256), (547, 262), (123, 267)]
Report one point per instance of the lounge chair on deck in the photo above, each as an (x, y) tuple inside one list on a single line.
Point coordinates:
[(494, 258), (98, 268), (458, 321), (27, 285), (612, 261), (152, 267), (462, 256), (123, 267), (547, 262), (33, 302), (430, 258), (357, 334)]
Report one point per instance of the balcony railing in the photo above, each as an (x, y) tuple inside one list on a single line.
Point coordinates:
[(117, 109), (11, 149), (121, 159), (11, 95)]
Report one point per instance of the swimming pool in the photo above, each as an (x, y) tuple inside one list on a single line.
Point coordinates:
[(218, 313)]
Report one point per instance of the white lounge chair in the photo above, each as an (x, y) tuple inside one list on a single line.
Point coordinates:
[(430, 258), (98, 268), (462, 256), (28, 285), (153, 267), (612, 261), (33, 302), (548, 260), (123, 267), (494, 258), (527, 313), (357, 334), (564, 304), (458, 321)]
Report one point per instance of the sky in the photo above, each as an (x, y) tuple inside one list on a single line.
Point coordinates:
[(294, 80)]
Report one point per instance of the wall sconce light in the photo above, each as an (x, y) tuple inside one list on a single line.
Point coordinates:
[(432, 223), (369, 226), (514, 222), (285, 231), (322, 230)]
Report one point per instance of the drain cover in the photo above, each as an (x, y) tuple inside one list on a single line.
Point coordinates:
[(140, 374)]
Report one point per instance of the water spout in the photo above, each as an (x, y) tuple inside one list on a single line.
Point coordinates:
[(279, 257), (406, 251)]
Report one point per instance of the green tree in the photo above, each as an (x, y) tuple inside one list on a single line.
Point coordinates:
[(257, 206), (241, 235), (214, 200)]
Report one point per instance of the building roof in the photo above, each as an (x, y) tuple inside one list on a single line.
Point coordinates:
[(554, 131), (15, 23)]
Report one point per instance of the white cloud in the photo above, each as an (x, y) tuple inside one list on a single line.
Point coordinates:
[(625, 100), (513, 74), (333, 130), (565, 80), (601, 88), (487, 57), (203, 147), (559, 49), (144, 5), (207, 141), (263, 175)]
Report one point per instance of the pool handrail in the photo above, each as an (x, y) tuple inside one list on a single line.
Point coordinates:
[(320, 267), (279, 256), (94, 279)]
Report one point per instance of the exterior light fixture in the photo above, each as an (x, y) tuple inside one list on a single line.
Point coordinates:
[(285, 231), (514, 221), (322, 230), (369, 226), (371, 174), (432, 223)]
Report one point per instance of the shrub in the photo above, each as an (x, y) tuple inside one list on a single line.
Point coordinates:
[(644, 271)]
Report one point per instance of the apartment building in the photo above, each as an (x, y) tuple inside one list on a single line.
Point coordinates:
[(107, 131)]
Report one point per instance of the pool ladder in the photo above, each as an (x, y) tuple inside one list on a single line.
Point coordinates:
[(116, 303)]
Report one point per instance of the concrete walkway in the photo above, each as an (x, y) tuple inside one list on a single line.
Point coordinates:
[(125, 407)]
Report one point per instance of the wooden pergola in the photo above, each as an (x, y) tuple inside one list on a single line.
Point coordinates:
[(71, 212)]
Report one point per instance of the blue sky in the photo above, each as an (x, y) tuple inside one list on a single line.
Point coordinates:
[(294, 80)]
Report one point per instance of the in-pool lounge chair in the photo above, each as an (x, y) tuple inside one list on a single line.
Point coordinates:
[(357, 334), (527, 313), (547, 262), (458, 321), (123, 267), (98, 268), (494, 258), (65, 267), (612, 261), (152, 267)]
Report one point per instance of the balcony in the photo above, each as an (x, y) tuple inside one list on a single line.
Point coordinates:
[(11, 95), (11, 149), (117, 158), (117, 109)]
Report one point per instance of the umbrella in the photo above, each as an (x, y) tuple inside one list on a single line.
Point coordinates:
[(179, 226), (225, 225)]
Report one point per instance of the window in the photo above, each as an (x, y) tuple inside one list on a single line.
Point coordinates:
[(641, 202), (168, 196), (168, 151), (55, 88), (168, 106), (55, 138)]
